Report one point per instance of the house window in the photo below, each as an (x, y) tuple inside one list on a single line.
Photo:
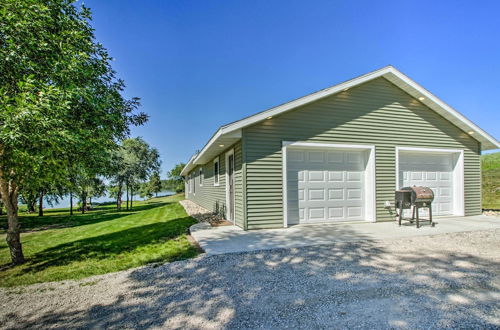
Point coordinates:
[(216, 171), (201, 176), (189, 183), (193, 178)]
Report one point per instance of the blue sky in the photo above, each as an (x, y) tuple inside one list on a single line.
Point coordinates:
[(197, 65)]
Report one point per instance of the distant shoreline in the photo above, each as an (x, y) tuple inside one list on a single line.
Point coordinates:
[(64, 202)]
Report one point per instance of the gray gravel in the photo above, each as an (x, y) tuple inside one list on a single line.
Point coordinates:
[(443, 281)]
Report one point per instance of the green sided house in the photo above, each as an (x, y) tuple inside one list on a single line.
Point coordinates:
[(339, 154)]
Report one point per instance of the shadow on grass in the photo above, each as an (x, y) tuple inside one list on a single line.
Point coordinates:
[(60, 219), (108, 245)]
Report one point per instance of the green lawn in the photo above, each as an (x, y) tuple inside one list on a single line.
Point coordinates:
[(59, 247)]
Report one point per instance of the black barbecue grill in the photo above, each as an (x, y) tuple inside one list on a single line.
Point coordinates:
[(414, 198)]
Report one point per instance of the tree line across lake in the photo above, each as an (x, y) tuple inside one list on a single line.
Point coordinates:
[(133, 169)]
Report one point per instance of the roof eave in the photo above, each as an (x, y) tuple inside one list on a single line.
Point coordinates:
[(388, 72)]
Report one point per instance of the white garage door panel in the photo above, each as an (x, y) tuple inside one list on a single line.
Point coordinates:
[(431, 170), (325, 185)]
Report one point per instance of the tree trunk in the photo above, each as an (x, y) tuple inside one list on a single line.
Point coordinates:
[(40, 204), (31, 202), (31, 207), (119, 197), (127, 195), (84, 202), (131, 196), (70, 203), (10, 193)]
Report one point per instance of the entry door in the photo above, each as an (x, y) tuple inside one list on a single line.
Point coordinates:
[(432, 170), (325, 185), (230, 173)]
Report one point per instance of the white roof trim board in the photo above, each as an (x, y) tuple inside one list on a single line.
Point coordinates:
[(230, 133)]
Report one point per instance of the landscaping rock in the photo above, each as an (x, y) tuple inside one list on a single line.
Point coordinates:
[(201, 214), (492, 213)]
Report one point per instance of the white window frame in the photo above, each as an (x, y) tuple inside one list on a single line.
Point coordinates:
[(229, 153), (216, 160), (370, 179), (201, 176), (458, 174), (190, 190), (193, 178)]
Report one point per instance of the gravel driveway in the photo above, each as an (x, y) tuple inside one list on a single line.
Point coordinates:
[(450, 280)]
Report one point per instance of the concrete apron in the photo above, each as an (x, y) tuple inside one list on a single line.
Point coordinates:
[(230, 239)]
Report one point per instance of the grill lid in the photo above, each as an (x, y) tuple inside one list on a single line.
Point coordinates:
[(420, 193)]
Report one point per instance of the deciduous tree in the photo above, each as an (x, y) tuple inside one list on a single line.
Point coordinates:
[(139, 161), (154, 184), (175, 179), (59, 96)]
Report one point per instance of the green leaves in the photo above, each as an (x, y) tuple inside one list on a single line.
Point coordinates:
[(175, 181), (60, 101), (138, 160), (61, 104)]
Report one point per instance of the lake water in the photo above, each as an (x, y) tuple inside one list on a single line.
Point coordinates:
[(64, 202)]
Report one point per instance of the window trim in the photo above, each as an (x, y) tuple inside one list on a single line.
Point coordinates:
[(226, 174), (217, 160), (201, 176), (193, 177)]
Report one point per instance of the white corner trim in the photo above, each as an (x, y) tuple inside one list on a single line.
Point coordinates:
[(284, 185), (458, 174), (371, 183), (228, 201), (370, 174)]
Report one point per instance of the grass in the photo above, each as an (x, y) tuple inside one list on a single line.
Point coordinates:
[(60, 247), (490, 167)]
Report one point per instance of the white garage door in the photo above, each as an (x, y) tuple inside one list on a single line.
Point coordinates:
[(325, 185), (431, 170)]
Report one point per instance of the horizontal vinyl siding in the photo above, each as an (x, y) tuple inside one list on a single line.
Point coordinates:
[(208, 195), (376, 113)]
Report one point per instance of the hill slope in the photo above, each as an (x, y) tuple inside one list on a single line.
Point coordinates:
[(490, 166)]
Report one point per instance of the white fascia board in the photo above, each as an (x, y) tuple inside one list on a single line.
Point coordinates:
[(221, 132), (387, 72), (307, 99), (188, 166)]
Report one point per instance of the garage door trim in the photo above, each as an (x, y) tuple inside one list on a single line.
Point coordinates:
[(370, 180), (458, 173)]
